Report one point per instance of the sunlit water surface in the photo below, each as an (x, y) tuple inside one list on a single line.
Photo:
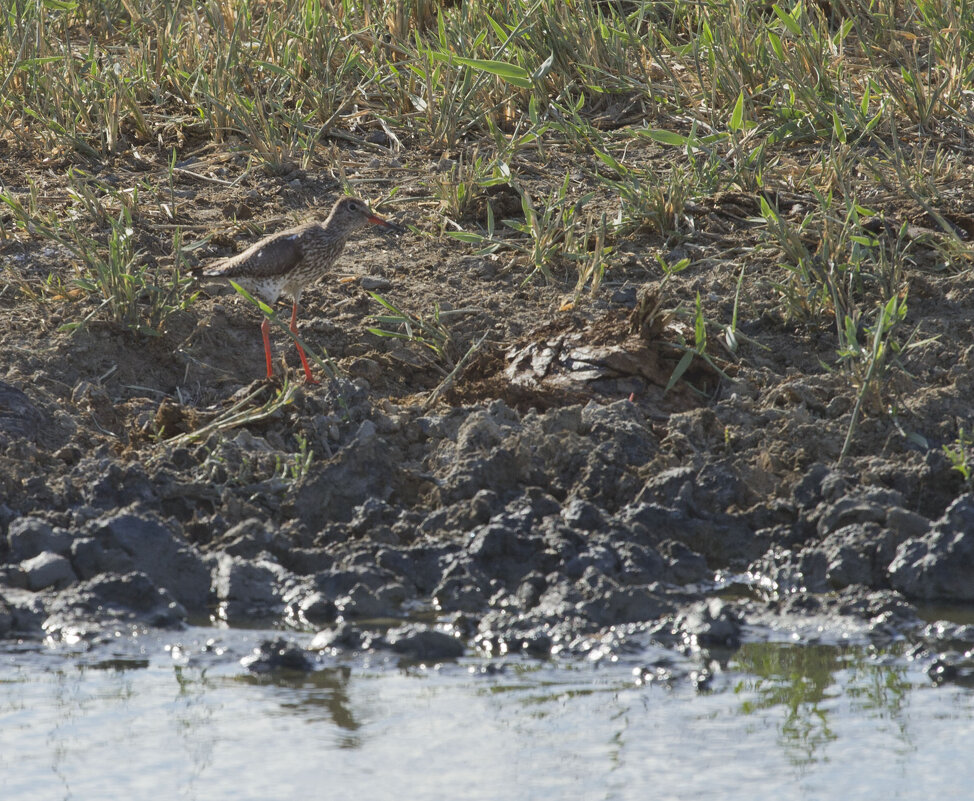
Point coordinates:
[(785, 722)]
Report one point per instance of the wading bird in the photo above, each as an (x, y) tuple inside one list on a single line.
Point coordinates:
[(286, 262)]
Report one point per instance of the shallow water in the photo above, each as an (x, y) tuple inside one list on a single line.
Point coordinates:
[(784, 721)]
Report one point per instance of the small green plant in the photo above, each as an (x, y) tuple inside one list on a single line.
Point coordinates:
[(463, 187), (961, 455), (646, 200), (132, 295), (871, 363), (430, 332), (696, 351), (296, 466), (550, 231), (252, 408), (591, 256), (730, 332), (549, 236), (832, 261)]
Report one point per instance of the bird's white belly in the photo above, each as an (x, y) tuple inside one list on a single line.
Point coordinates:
[(268, 289)]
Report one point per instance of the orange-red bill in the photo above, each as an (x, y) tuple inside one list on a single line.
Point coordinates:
[(385, 223)]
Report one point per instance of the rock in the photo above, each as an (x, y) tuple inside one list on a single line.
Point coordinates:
[(248, 590), (364, 469), (598, 557), (953, 667), (6, 619), (498, 540), (711, 623), (536, 642), (849, 555), (642, 564), (721, 538), (337, 581), (458, 594), (419, 565), (160, 554), (612, 605), (133, 591), (12, 576), (529, 593), (858, 553), (483, 430), (362, 602), (313, 610), (25, 612), (497, 471), (559, 600), (29, 536), (939, 565), (131, 597), (862, 507), (807, 493), (345, 636), (110, 484), (47, 570), (424, 644), (780, 571), (502, 550), (716, 488), (583, 515), (278, 655), (686, 566), (463, 515), (19, 417), (7, 516), (877, 606), (90, 559), (905, 523), (305, 561), (671, 489), (249, 538), (370, 515)]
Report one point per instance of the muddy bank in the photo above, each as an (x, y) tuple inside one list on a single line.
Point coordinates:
[(545, 477), (425, 533)]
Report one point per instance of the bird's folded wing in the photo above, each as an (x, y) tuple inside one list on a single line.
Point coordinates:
[(277, 255)]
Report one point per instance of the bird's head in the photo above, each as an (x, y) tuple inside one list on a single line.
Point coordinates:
[(350, 213)]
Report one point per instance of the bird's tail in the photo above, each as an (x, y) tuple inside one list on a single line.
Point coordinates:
[(210, 271)]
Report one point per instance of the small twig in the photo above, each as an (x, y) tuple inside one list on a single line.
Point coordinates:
[(233, 417), (450, 380), (211, 180)]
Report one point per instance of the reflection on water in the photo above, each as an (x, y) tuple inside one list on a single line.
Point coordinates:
[(319, 697), (808, 683), (790, 722)]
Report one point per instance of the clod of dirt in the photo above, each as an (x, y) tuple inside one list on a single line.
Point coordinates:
[(19, 417)]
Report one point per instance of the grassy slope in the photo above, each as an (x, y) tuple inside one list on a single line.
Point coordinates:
[(565, 131)]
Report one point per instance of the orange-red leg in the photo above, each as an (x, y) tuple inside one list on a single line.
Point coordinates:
[(265, 329), (294, 330)]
